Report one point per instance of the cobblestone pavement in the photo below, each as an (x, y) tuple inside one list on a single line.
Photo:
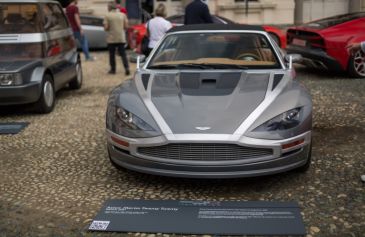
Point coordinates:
[(55, 175)]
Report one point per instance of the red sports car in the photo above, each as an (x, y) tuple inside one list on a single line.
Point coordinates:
[(136, 33), (322, 43)]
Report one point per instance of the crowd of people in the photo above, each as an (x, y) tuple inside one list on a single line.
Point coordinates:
[(116, 23)]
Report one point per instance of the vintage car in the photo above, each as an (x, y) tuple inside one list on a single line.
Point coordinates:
[(224, 106), (136, 33), (322, 43), (38, 53)]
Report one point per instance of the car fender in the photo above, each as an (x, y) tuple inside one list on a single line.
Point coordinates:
[(293, 96), (37, 74), (354, 40), (126, 96)]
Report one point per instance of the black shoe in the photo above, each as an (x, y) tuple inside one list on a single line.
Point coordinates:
[(111, 72), (127, 72)]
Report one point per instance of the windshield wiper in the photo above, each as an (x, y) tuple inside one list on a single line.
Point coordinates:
[(181, 66), (164, 66), (199, 66), (225, 66)]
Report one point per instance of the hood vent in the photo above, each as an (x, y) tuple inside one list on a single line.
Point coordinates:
[(209, 84)]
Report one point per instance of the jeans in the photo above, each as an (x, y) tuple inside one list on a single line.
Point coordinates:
[(121, 50), (83, 43)]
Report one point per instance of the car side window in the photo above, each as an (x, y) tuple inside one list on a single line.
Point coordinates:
[(53, 17)]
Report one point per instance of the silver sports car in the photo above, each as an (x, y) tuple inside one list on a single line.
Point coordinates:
[(212, 101)]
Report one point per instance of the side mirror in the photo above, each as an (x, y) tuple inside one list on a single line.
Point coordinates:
[(292, 58), (140, 59)]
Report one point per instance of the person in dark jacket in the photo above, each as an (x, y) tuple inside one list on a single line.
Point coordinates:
[(197, 12)]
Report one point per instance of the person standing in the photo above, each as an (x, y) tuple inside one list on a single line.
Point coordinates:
[(73, 15), (115, 24), (197, 12), (157, 27)]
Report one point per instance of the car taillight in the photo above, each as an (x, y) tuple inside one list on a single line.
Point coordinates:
[(317, 42), (305, 39)]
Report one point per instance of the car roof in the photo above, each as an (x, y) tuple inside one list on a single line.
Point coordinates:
[(29, 1), (179, 19), (213, 27), (91, 16)]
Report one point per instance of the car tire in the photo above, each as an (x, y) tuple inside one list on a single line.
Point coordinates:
[(76, 83), (356, 67), (307, 165), (46, 102), (275, 38)]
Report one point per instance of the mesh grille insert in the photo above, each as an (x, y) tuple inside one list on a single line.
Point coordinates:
[(204, 152)]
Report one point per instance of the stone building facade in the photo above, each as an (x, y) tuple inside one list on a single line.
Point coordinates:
[(274, 12), (259, 11)]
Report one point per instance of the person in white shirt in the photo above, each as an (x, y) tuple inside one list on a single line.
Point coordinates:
[(157, 27)]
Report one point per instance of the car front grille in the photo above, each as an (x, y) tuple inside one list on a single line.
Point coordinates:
[(204, 152)]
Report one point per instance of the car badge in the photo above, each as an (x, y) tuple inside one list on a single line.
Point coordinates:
[(203, 128)]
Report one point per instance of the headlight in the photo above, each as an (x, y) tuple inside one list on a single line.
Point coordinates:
[(128, 124), (131, 121), (284, 121), (13, 79)]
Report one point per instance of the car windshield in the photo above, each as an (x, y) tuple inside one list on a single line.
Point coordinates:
[(19, 18), (20, 52), (215, 51)]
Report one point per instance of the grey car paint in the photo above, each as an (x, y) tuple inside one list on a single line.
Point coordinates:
[(178, 110), (94, 30), (182, 99)]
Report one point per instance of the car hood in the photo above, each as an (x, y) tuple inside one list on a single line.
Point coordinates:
[(203, 102), (16, 66)]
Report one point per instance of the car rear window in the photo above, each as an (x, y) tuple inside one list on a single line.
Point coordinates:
[(91, 21), (335, 20), (19, 18)]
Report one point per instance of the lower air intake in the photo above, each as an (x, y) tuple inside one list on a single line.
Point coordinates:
[(204, 152)]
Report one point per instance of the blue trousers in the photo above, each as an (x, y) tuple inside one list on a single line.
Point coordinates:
[(83, 42)]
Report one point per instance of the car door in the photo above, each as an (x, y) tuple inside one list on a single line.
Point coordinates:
[(60, 50)]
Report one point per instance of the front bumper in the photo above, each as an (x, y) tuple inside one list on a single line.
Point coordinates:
[(23, 94), (280, 161), (315, 58)]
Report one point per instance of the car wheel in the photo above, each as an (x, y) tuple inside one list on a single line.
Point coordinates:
[(46, 102), (275, 38), (357, 65), (76, 83), (306, 166)]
